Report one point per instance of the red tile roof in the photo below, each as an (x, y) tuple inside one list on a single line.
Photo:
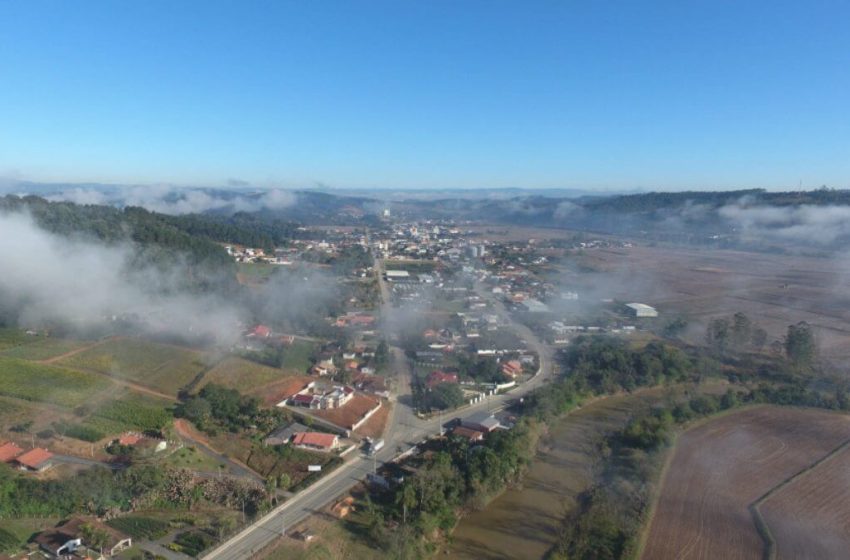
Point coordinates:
[(315, 439), (130, 439), (470, 434), (302, 399), (9, 451), (261, 330), (436, 377), (34, 457)]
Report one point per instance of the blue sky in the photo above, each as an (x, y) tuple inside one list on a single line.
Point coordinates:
[(403, 94)]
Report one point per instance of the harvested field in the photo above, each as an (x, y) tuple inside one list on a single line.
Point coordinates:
[(700, 284), (527, 518), (720, 467), (809, 517)]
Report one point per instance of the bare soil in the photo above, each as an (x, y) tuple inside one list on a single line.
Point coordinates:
[(720, 467), (809, 517)]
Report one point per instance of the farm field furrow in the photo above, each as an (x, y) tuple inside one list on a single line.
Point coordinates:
[(809, 517), (720, 467)]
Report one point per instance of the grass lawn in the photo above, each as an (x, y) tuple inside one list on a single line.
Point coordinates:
[(22, 530), (42, 383), (44, 348), (296, 358), (190, 458), (10, 338), (158, 366)]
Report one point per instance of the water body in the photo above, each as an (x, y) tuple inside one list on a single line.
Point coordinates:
[(523, 523)]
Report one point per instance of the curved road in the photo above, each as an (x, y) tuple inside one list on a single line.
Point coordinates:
[(404, 429)]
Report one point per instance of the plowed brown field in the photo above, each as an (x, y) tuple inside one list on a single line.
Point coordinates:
[(722, 466), (810, 517)]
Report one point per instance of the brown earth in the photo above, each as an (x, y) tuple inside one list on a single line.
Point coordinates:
[(700, 284), (377, 423), (351, 412), (720, 467), (809, 517)]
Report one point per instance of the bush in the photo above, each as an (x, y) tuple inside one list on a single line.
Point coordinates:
[(8, 541), (78, 431)]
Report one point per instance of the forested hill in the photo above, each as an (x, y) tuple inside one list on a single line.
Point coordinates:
[(192, 237)]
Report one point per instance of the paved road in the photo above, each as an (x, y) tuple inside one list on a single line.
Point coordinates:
[(403, 431)]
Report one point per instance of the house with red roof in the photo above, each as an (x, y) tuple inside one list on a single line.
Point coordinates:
[(260, 331), (38, 460), (468, 433), (512, 368), (130, 439), (438, 376), (316, 440), (8, 451)]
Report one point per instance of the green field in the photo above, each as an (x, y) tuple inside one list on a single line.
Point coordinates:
[(140, 527), (244, 375), (42, 383), (158, 366), (130, 412), (296, 358), (238, 373), (10, 338), (44, 348), (256, 272)]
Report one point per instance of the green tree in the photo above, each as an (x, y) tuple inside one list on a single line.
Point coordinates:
[(742, 327), (445, 396), (800, 344), (718, 335)]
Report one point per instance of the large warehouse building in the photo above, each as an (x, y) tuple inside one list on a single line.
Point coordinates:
[(642, 310)]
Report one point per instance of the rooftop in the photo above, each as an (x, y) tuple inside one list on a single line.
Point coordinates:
[(315, 439), (34, 458), (9, 451)]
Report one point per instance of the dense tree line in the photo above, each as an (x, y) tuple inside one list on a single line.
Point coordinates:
[(457, 475), (605, 364), (219, 408)]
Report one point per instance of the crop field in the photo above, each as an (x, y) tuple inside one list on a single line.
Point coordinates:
[(700, 284), (130, 412), (43, 383), (523, 518), (158, 366), (44, 349), (808, 518), (241, 374), (720, 467)]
